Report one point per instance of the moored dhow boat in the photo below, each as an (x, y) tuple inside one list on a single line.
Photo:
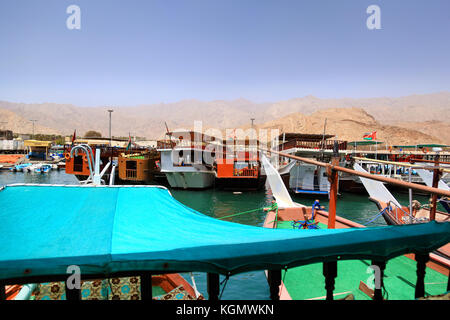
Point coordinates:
[(304, 178), (394, 161), (165, 286), (134, 234), (396, 214), (240, 168), (137, 167), (79, 161), (186, 161), (153, 244), (349, 276)]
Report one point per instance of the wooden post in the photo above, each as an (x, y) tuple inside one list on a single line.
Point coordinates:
[(333, 178), (410, 192), (274, 279), (213, 284), (146, 286), (72, 294), (448, 281), (422, 260), (330, 273), (2, 291), (378, 295), (436, 177)]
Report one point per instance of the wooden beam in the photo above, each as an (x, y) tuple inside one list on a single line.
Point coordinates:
[(333, 178), (436, 178), (2, 291), (213, 284), (422, 260), (330, 273), (274, 279), (72, 294), (378, 295), (402, 164), (146, 286)]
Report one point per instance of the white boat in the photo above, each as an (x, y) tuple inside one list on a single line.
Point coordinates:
[(46, 168), (37, 168), (20, 167), (302, 178), (183, 161)]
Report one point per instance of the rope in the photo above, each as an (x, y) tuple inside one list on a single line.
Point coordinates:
[(197, 294), (240, 213), (304, 224), (271, 208), (276, 212), (308, 223), (224, 285), (379, 214)]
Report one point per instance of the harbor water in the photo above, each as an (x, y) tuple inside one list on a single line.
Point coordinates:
[(219, 204)]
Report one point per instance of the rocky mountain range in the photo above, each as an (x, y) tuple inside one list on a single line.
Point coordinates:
[(400, 120)]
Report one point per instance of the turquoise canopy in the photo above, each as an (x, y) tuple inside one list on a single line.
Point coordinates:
[(106, 230)]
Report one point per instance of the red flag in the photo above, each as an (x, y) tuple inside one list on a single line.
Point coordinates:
[(370, 136), (74, 136)]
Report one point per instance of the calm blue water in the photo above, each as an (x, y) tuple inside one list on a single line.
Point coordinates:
[(218, 204)]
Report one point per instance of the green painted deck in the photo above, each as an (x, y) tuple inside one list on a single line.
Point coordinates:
[(308, 282)]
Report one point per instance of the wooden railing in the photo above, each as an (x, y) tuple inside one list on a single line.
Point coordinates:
[(333, 169), (326, 145), (131, 173), (246, 172)]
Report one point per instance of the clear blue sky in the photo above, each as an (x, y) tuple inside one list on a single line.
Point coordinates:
[(136, 52)]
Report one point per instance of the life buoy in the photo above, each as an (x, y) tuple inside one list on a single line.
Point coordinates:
[(84, 157), (67, 156)]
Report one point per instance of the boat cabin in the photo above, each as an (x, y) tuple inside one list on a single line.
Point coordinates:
[(137, 167)]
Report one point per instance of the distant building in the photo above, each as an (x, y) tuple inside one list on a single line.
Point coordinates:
[(6, 135), (37, 149), (146, 143), (99, 141)]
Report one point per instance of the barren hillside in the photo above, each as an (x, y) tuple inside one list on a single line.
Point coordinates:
[(11, 121), (347, 124), (310, 112)]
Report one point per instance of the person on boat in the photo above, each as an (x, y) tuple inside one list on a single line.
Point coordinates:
[(415, 207)]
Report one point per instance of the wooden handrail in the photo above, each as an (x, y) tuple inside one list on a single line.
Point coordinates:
[(401, 164), (397, 182), (429, 161)]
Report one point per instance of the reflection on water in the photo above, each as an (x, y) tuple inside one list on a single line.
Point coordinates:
[(218, 203)]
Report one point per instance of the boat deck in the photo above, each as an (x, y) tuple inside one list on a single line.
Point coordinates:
[(308, 283)]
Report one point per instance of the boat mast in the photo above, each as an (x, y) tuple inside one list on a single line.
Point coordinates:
[(323, 139)]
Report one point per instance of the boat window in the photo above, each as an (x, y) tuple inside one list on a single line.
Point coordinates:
[(78, 163), (131, 165), (240, 165), (183, 159)]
